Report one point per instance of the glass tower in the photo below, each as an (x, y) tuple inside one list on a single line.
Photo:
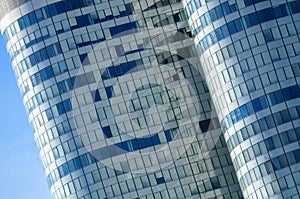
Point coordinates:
[(115, 94), (249, 51)]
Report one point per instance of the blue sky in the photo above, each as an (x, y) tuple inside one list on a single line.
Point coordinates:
[(21, 171)]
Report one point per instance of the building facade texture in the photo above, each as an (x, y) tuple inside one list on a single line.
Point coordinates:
[(249, 52), (161, 99)]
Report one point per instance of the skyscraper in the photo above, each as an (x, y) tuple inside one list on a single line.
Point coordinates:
[(115, 95), (120, 108), (249, 52)]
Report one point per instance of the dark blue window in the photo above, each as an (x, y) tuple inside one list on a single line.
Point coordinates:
[(77, 163), (238, 114), (26, 21), (294, 7), (68, 5), (39, 15), (271, 99), (285, 116), (243, 110), (57, 48), (122, 28), (219, 12), (213, 15), (277, 119), (67, 105), (263, 125), (160, 180), (50, 51), (270, 14), (66, 168), (52, 10), (61, 87), (263, 102), (32, 60), (278, 96), (253, 19), (287, 94), (134, 144), (84, 20), (96, 96), (110, 92), (297, 130), (44, 54), (250, 108), (141, 143), (233, 7), (285, 10), (270, 121), (107, 131), (278, 12), (21, 23), (38, 57), (32, 18), (297, 155), (225, 31), (148, 141), (169, 135), (282, 161), (83, 160), (118, 71), (238, 25), (111, 72), (60, 7), (60, 108), (219, 34), (226, 8), (246, 21), (262, 16), (256, 105), (71, 166), (295, 91), (43, 75), (49, 72), (248, 2)]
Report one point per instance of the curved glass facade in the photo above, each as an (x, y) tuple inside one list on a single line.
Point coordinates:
[(115, 94), (249, 52)]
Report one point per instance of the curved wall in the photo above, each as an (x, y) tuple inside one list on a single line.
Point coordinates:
[(249, 52), (117, 115)]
